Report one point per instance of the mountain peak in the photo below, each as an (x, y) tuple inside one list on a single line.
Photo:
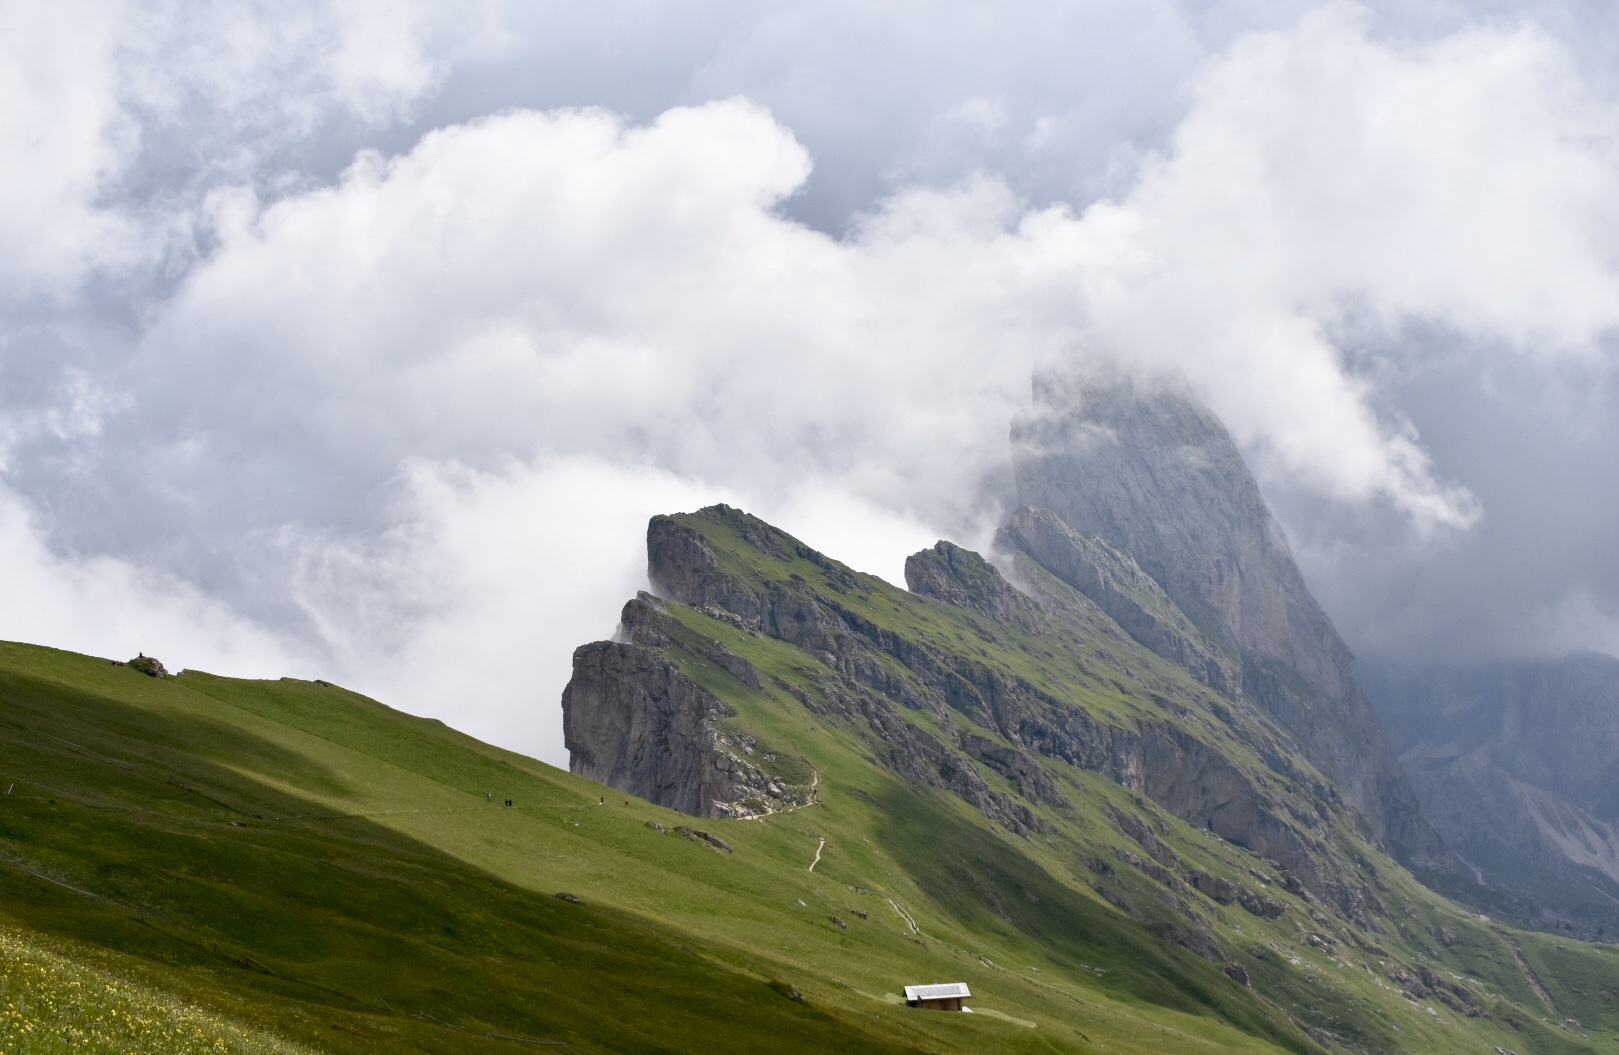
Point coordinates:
[(1149, 470)]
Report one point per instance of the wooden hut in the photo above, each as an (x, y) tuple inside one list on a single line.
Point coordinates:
[(941, 996)]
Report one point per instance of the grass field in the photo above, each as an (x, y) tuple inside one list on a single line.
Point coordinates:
[(55, 1001), (288, 863)]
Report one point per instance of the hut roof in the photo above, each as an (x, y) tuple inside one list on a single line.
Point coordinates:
[(937, 991)]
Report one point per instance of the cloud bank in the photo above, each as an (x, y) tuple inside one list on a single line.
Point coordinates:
[(402, 424)]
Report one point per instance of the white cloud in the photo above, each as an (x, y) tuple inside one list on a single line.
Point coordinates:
[(90, 88), (107, 607), (470, 611), (534, 329), (61, 135), (563, 284), (1321, 173)]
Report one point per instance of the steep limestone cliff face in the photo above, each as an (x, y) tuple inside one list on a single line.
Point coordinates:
[(1153, 473), (1518, 765), (633, 721), (1192, 779), (1020, 757), (682, 565)]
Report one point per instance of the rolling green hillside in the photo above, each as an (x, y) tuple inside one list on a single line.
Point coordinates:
[(288, 866)]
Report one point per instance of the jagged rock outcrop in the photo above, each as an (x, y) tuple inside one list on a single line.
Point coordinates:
[(961, 577), (684, 568), (633, 721), (1518, 766), (1116, 583), (927, 718), (1151, 472)]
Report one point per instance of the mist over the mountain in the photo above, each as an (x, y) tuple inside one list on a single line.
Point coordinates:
[(362, 344)]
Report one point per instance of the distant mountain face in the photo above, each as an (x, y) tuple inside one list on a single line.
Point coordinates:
[(1518, 766), (1152, 473)]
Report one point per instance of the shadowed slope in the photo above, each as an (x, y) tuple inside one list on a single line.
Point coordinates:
[(140, 822)]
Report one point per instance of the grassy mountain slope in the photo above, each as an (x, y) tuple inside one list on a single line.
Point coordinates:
[(302, 860), (1347, 982), (298, 867)]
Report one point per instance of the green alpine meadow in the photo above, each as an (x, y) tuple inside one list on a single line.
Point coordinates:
[(788, 527), (196, 863)]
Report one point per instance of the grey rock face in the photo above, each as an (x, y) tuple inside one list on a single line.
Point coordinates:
[(1518, 766), (676, 560), (1130, 596), (631, 720), (1153, 473), (148, 665), (684, 567), (961, 577)]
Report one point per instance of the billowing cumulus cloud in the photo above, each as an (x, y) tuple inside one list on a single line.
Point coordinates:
[(1323, 184), (401, 421), (118, 113)]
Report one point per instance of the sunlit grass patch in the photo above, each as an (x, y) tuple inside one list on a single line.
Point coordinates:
[(50, 1003)]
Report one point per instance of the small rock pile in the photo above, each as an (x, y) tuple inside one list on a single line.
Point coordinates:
[(148, 665)]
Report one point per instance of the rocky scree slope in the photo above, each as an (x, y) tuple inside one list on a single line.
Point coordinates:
[(1149, 471)]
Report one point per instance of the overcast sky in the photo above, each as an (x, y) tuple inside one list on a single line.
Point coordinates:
[(358, 340)]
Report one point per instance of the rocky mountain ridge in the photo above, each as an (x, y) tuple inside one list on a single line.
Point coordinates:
[(986, 720), (1151, 472), (1115, 582)]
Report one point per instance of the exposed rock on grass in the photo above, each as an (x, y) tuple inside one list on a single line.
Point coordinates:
[(148, 665)]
